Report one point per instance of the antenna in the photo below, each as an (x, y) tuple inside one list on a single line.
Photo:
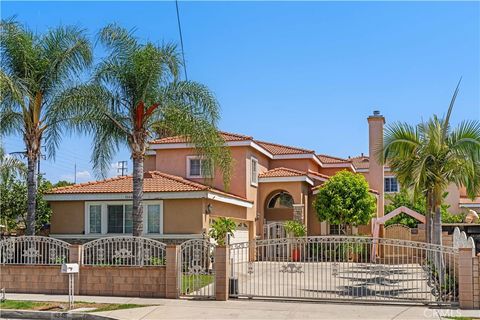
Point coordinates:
[(75, 173), (181, 40), (122, 167)]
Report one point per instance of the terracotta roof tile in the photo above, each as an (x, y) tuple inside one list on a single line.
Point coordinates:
[(330, 159), (361, 162), (227, 136), (318, 174), (281, 172), (154, 181), (277, 149)]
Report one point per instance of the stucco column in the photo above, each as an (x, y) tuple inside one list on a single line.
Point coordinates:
[(465, 278), (376, 169), (172, 257), (476, 282), (222, 272)]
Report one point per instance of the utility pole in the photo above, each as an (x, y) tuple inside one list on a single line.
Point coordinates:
[(122, 167)]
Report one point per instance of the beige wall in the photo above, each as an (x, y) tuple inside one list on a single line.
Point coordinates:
[(332, 171), (183, 216), (296, 164), (67, 217), (376, 170), (174, 161), (149, 163)]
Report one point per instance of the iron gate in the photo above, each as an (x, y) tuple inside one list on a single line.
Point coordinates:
[(345, 268), (197, 269)]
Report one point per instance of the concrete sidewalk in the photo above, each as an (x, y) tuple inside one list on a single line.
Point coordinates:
[(254, 309)]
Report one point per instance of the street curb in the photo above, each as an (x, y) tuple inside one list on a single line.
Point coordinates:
[(49, 315)]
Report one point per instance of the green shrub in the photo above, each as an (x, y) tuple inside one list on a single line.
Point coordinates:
[(295, 228)]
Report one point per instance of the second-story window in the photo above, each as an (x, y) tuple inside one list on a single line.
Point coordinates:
[(391, 184), (254, 172), (198, 167)]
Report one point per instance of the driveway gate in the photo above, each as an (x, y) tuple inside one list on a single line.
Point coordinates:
[(197, 269), (345, 268)]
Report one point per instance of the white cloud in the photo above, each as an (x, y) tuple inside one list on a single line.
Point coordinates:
[(82, 176)]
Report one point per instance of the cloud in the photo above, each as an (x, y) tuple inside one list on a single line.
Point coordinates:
[(82, 176)]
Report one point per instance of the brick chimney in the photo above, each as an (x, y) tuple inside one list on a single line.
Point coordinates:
[(376, 170)]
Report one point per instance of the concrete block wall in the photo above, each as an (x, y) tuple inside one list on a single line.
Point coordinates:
[(33, 279)]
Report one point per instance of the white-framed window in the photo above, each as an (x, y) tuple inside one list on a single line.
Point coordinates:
[(198, 167), (254, 171), (115, 217), (95, 218), (391, 184)]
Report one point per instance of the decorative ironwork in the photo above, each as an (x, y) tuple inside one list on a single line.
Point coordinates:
[(33, 250), (196, 271), (124, 251), (345, 268), (460, 240), (291, 268)]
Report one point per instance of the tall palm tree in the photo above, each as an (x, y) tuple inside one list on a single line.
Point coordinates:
[(430, 156), (35, 71), (136, 94)]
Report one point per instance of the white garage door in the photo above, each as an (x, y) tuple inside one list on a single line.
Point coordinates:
[(241, 234)]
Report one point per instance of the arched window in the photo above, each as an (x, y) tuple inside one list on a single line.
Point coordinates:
[(281, 200)]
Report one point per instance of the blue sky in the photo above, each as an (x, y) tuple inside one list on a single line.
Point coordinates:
[(305, 74)]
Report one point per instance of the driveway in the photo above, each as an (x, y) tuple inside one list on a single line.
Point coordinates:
[(329, 280)]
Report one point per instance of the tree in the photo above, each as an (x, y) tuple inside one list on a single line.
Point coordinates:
[(10, 166), (14, 203), (135, 93), (221, 228), (35, 72), (345, 199), (428, 157)]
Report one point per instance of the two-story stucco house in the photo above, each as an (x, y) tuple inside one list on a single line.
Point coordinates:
[(270, 183)]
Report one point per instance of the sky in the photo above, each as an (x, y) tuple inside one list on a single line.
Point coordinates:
[(305, 74)]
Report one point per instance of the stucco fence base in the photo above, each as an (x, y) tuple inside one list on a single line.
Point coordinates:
[(145, 282)]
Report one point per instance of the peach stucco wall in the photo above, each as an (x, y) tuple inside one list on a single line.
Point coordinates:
[(67, 217), (174, 161), (149, 163), (183, 216), (297, 164)]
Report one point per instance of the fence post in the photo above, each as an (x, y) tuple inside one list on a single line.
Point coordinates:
[(476, 282), (222, 270), (465, 278), (75, 255), (172, 259)]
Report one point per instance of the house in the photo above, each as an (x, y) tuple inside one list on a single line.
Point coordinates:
[(270, 183)]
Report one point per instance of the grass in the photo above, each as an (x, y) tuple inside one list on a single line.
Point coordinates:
[(58, 306), (191, 283)]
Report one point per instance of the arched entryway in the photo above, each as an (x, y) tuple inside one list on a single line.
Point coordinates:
[(278, 206)]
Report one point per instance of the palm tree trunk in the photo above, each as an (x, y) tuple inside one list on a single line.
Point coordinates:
[(137, 214), (31, 195)]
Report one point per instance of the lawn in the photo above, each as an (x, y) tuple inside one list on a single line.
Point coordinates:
[(59, 306), (191, 283)]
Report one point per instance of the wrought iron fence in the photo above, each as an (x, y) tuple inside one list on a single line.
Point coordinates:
[(34, 250), (197, 269), (124, 251), (345, 268)]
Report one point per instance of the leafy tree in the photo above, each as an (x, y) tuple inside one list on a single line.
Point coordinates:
[(345, 199), (221, 228), (428, 157), (35, 72), (62, 183), (135, 93), (10, 166), (14, 203), (407, 199)]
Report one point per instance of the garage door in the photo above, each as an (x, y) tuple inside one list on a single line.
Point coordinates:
[(241, 234)]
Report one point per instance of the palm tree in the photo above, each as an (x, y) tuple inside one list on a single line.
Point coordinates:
[(136, 94), (430, 156), (35, 71)]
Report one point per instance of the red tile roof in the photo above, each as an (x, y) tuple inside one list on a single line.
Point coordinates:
[(277, 149), (281, 172), (330, 159), (227, 136), (361, 162), (154, 181)]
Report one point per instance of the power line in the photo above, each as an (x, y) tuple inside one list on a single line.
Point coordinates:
[(181, 40)]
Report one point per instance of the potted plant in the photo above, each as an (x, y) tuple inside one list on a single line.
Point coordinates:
[(220, 229), (295, 229)]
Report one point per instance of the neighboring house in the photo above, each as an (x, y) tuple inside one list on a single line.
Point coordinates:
[(270, 183)]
